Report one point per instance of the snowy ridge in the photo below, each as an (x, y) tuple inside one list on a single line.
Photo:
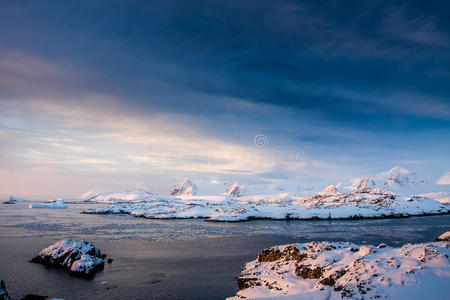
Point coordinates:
[(342, 270), (127, 196), (78, 257), (365, 198), (368, 203)]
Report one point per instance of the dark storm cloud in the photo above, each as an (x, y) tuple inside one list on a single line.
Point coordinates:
[(290, 53)]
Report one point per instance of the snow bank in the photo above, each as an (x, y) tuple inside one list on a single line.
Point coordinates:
[(54, 204), (341, 270), (77, 257), (3, 291)]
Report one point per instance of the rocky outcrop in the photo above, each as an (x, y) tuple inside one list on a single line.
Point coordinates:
[(79, 258), (3, 291), (335, 270)]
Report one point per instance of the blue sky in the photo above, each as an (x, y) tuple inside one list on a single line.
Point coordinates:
[(87, 88)]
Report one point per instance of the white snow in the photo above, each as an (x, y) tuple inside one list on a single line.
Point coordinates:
[(342, 270), (54, 204), (444, 179)]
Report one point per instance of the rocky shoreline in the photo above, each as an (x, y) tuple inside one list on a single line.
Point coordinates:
[(335, 270)]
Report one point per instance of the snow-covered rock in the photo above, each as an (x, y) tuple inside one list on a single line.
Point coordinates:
[(235, 190), (3, 291), (77, 257), (184, 188), (362, 183), (342, 270), (331, 189), (444, 237), (17, 199), (53, 204)]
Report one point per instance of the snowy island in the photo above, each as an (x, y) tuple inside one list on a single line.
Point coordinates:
[(396, 193)]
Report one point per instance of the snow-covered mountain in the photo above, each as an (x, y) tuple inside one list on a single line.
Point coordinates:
[(401, 177), (184, 188), (235, 190)]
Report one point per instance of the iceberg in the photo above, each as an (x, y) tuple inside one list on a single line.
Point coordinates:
[(55, 204)]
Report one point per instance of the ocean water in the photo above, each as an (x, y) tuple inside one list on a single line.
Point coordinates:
[(169, 259)]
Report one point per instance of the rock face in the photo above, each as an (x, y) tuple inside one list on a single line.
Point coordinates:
[(444, 237), (79, 258), (341, 270), (3, 291), (184, 188)]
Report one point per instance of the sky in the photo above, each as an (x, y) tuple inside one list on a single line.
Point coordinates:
[(108, 95)]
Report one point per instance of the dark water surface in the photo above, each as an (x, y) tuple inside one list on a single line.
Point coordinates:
[(169, 259)]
